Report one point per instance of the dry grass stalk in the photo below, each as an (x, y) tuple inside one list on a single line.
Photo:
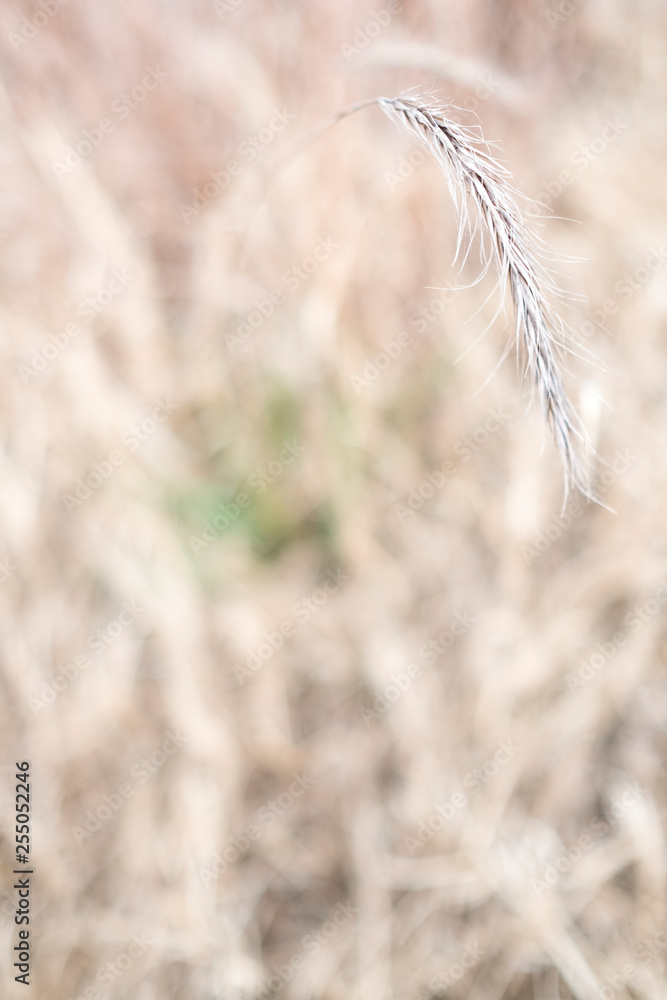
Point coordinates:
[(475, 177)]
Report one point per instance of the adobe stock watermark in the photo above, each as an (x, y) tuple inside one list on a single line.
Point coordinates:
[(374, 366), (580, 160), (292, 280), (444, 812), (464, 449), (596, 829), (651, 947), (606, 651), (96, 643), (420, 321), (471, 956), (31, 27), (109, 973), (247, 152), (87, 309), (615, 983), (257, 482), (564, 11), (263, 820), (139, 774), (647, 951), (7, 569), (302, 611), (121, 108), (225, 7), (372, 29), (131, 440), (625, 288), (311, 943), (560, 523), (429, 653)]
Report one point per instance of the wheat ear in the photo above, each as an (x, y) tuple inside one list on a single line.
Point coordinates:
[(475, 177)]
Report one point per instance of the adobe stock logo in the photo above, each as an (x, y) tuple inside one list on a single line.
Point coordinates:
[(606, 651), (429, 653), (121, 107), (595, 830), (302, 611), (140, 772), (237, 845), (248, 151), (30, 28), (560, 523), (464, 449), (312, 944), (468, 959), (227, 7), (226, 514), (475, 780), (265, 307), (565, 9), (580, 160), (365, 33)]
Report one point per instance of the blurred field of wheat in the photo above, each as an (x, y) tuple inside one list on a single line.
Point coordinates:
[(323, 694)]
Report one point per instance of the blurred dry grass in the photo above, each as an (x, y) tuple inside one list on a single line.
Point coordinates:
[(341, 861)]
